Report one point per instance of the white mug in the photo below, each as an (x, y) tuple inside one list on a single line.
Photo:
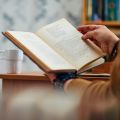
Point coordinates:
[(11, 61)]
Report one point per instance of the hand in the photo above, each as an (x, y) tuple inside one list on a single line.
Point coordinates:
[(100, 35)]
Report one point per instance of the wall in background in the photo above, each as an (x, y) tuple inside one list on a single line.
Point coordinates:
[(30, 15)]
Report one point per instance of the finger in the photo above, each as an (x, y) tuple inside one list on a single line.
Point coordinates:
[(86, 28), (104, 48), (88, 35), (96, 42)]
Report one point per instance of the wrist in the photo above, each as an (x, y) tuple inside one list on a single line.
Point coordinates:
[(114, 50), (113, 42)]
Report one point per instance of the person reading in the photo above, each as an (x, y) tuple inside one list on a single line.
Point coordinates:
[(96, 96)]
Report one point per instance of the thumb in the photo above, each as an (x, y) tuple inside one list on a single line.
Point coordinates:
[(88, 35)]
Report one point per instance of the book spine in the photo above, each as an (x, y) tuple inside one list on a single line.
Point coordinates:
[(118, 10), (89, 10), (95, 5), (106, 10), (93, 10), (101, 9), (111, 10)]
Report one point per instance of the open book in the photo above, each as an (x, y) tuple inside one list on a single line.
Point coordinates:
[(58, 47)]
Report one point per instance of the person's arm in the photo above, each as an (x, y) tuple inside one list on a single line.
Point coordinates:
[(115, 74), (76, 87)]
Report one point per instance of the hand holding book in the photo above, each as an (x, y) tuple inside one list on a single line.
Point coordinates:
[(100, 35)]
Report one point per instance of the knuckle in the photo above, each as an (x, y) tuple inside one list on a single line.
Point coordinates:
[(87, 34), (103, 26), (95, 33)]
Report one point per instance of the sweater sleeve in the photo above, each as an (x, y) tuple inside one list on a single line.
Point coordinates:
[(115, 75)]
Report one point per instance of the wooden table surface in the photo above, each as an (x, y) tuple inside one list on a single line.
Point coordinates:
[(25, 76), (14, 83)]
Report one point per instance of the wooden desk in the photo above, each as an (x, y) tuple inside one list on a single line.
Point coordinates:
[(14, 83)]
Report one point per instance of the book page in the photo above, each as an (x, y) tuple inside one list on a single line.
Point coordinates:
[(92, 65), (41, 50), (66, 40)]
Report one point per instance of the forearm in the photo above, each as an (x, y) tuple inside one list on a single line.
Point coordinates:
[(76, 86)]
